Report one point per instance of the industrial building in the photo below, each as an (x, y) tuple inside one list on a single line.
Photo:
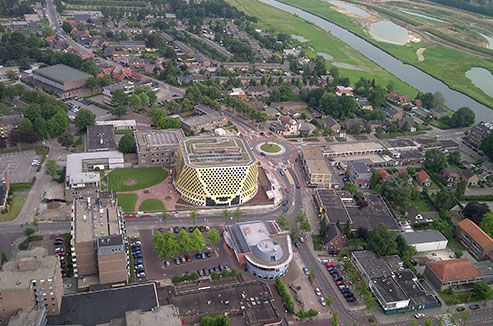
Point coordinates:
[(100, 139), (216, 171), (60, 79), (32, 280), (262, 247), (82, 176), (427, 240), (315, 167), (98, 239), (397, 289), (158, 147)]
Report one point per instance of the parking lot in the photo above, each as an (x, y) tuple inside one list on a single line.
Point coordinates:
[(18, 166), (156, 270), (74, 105)]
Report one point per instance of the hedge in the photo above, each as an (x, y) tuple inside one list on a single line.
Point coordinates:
[(286, 297), (193, 276), (223, 274)]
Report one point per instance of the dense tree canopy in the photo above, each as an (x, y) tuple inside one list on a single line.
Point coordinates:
[(382, 241), (84, 118), (435, 160), (475, 211)]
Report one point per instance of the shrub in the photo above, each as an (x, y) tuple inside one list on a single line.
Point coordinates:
[(286, 297), (193, 276)]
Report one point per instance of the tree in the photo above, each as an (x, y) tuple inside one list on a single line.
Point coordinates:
[(435, 160), (237, 213), (119, 98), (52, 169), (194, 214), (163, 122), (166, 244), (84, 118), (28, 232), (66, 139), (428, 99), (119, 111), (458, 253), (382, 240), (164, 215), (11, 74), (464, 117), (91, 83), (482, 291), (220, 320), (214, 236), (226, 213), (475, 211), (127, 144), (184, 241), (487, 146), (58, 124), (197, 240), (66, 27), (487, 223), (135, 101), (282, 221), (454, 158)]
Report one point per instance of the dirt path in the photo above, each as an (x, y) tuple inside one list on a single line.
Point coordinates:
[(420, 54)]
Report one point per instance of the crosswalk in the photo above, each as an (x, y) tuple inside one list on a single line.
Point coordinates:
[(447, 320)]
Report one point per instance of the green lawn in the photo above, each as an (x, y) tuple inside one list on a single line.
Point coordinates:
[(321, 42), (130, 179), (127, 202), (14, 210), (150, 205), (444, 63), (270, 147)]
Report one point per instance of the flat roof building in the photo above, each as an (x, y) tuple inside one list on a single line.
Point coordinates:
[(130, 124), (82, 176), (33, 279), (359, 172), (353, 149), (98, 239), (60, 79), (428, 240), (216, 171), (158, 147), (204, 118), (100, 138), (315, 167), (397, 289), (341, 206), (261, 246)]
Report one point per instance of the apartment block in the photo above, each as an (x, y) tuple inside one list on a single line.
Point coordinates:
[(33, 279)]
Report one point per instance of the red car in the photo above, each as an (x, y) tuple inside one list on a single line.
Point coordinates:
[(329, 264), (287, 189)]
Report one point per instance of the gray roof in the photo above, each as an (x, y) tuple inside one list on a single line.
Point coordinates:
[(423, 237), (61, 73), (101, 138)]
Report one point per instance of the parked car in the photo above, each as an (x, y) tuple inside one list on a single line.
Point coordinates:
[(419, 315), (340, 283), (208, 254), (141, 275), (138, 262), (322, 302), (474, 307), (199, 255), (183, 259), (460, 308), (329, 264), (318, 292), (188, 258), (306, 271), (166, 263), (351, 299), (177, 261), (338, 279), (58, 250), (348, 295)]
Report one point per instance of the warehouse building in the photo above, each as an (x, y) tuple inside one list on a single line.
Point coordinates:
[(216, 171), (158, 147), (428, 240), (60, 79), (262, 247), (98, 239)]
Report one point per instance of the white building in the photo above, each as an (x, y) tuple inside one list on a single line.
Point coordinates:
[(119, 124), (428, 240)]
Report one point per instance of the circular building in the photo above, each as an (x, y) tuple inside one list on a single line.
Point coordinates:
[(215, 171), (261, 247)]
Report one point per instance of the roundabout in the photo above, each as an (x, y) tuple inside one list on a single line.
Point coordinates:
[(270, 148)]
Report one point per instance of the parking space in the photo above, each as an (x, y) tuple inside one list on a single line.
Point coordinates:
[(19, 165), (341, 282), (137, 260), (157, 268)]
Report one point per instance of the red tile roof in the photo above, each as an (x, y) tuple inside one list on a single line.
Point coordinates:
[(475, 232), (383, 174), (454, 269), (422, 176)]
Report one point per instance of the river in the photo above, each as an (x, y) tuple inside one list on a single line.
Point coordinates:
[(407, 73)]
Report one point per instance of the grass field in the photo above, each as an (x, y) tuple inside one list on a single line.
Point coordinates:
[(127, 202), (130, 179), (321, 42), (445, 63), (270, 147), (150, 205), (14, 210)]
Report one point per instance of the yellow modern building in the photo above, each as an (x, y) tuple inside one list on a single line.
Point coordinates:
[(216, 171)]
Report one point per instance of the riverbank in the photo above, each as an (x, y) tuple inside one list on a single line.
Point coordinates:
[(446, 64), (320, 41)]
